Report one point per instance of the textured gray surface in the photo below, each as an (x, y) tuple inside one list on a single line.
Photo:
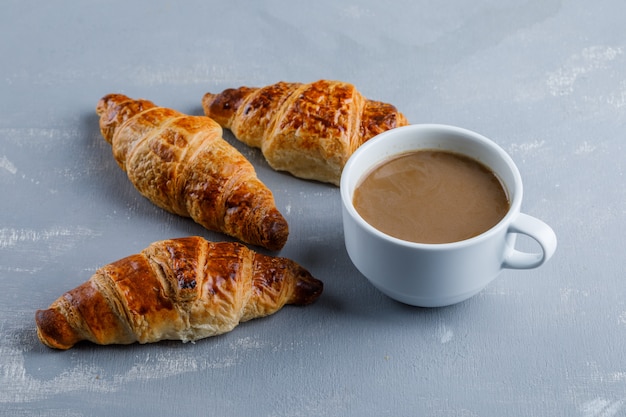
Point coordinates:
[(545, 79)]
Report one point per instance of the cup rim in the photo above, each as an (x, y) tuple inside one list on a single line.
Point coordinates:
[(346, 194)]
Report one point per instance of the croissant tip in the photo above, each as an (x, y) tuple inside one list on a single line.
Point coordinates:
[(308, 289), (275, 231), (207, 99), (53, 330), (106, 100)]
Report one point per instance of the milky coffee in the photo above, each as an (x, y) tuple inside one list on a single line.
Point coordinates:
[(431, 196)]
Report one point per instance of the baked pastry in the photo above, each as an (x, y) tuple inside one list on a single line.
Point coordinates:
[(309, 130), (182, 164), (179, 289)]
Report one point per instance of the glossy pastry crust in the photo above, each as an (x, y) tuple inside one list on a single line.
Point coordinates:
[(182, 164), (178, 289), (309, 130)]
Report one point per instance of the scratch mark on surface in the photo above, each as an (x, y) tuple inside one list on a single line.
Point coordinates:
[(618, 98), (444, 334), (247, 343), (10, 237), (568, 293), (82, 375), (561, 82), (23, 388), (198, 73), (39, 136), (585, 148), (617, 376), (356, 12), (20, 270), (527, 147), (7, 165), (601, 407)]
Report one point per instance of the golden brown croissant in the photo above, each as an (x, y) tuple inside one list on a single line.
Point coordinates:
[(309, 130), (182, 164), (179, 289)]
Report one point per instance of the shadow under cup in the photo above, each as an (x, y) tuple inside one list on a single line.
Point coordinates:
[(434, 275)]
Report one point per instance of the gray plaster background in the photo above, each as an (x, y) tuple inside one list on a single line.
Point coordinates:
[(545, 79)]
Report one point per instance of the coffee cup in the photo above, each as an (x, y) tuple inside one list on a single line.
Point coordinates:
[(439, 274)]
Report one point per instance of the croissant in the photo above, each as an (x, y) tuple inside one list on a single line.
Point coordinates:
[(179, 289), (309, 130), (182, 164)]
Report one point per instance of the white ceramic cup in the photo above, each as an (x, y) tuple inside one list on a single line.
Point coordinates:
[(435, 275)]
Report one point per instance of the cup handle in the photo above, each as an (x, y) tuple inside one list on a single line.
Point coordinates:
[(537, 230)]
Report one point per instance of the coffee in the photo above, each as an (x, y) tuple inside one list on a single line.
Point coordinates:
[(431, 196)]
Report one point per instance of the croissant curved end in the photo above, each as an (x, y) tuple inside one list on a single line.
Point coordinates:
[(54, 331), (307, 289), (208, 98), (223, 106), (275, 231), (108, 115)]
